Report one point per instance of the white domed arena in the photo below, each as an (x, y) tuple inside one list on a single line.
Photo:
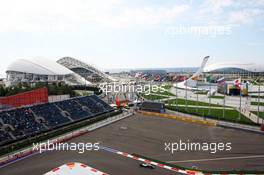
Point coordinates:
[(41, 70), (230, 69)]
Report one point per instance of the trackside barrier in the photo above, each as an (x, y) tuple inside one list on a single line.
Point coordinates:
[(262, 127), (179, 118), (221, 123), (29, 151), (247, 128)]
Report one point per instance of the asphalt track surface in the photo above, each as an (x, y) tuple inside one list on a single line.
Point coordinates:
[(146, 135)]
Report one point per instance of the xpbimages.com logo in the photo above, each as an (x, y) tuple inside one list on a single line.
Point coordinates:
[(79, 147), (131, 88), (184, 146)]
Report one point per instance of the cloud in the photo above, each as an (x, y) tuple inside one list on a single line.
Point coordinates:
[(254, 43), (59, 15), (230, 12), (214, 7), (245, 16), (31, 15), (73, 15), (147, 16)]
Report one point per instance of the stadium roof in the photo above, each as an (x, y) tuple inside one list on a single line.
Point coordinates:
[(39, 66), (250, 67), (72, 63)]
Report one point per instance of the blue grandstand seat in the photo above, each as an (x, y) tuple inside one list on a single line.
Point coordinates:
[(74, 109), (106, 106), (92, 105), (51, 114), (4, 137), (23, 122)]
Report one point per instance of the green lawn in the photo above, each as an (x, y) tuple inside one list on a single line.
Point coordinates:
[(256, 96), (261, 114), (167, 86), (178, 101), (217, 97), (153, 97), (256, 103), (164, 93), (190, 102), (201, 93), (230, 115)]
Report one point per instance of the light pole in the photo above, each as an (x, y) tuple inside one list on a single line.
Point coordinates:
[(197, 102), (186, 96), (240, 105), (224, 100), (259, 101), (209, 113), (176, 95), (240, 100)]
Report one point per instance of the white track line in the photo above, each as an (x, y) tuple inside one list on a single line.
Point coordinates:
[(217, 159)]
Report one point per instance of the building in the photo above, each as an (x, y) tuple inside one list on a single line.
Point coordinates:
[(85, 70), (236, 87), (235, 70), (41, 70), (153, 106)]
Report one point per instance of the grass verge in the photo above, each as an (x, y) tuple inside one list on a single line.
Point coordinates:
[(191, 102), (217, 97), (261, 114), (230, 115), (153, 97), (256, 103)]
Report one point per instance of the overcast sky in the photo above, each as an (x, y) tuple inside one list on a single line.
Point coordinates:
[(133, 34)]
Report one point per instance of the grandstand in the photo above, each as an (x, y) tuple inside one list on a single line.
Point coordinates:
[(28, 121)]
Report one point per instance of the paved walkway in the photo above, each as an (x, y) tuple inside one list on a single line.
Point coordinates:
[(251, 116)]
